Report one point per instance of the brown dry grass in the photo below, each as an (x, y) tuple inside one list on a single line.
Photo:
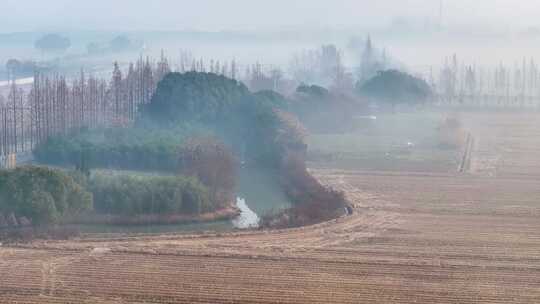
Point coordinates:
[(414, 238)]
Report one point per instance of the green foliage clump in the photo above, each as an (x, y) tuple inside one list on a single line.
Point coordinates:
[(43, 195), (322, 110), (226, 106), (395, 87), (195, 96), (137, 194), (129, 148), (272, 98), (313, 91)]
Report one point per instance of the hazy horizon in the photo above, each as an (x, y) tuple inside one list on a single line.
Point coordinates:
[(215, 15), (417, 33)]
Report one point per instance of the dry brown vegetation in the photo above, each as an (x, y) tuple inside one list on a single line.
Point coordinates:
[(451, 133), (422, 237), (313, 202)]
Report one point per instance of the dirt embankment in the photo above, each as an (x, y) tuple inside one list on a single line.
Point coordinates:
[(227, 213)]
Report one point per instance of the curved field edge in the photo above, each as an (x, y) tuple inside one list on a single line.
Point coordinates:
[(355, 199), (419, 238)]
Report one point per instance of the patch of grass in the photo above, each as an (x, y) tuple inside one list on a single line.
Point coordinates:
[(400, 141)]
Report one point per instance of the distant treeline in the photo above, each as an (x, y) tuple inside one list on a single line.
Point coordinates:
[(55, 106), (502, 85), (59, 106)]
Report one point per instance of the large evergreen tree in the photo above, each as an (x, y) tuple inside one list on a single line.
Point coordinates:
[(394, 87)]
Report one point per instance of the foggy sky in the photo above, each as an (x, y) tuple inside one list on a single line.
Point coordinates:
[(215, 15)]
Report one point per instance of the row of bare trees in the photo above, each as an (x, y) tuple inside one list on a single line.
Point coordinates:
[(55, 105), (500, 85), (12, 120), (323, 66)]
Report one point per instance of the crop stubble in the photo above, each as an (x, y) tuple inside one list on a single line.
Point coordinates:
[(415, 237)]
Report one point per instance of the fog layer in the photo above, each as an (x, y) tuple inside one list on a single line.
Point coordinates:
[(214, 15)]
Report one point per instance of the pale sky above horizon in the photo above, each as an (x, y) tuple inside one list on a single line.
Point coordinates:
[(215, 15)]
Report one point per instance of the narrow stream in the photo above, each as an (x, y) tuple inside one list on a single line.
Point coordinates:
[(247, 218)]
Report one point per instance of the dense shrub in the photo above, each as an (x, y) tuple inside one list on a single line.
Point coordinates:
[(272, 98), (209, 160), (42, 195), (132, 194), (203, 157), (314, 203), (394, 87), (322, 110), (195, 96), (313, 91), (451, 133), (127, 148), (224, 105)]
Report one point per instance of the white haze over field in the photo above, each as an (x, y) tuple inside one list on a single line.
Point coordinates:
[(419, 33), (215, 15)]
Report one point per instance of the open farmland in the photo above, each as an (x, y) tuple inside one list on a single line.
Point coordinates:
[(390, 142), (416, 236)]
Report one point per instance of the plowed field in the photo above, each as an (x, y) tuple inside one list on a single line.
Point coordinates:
[(414, 237)]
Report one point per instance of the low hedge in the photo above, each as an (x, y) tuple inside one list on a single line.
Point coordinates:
[(138, 194)]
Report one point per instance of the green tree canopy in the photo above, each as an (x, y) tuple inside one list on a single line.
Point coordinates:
[(41, 194), (396, 87), (194, 96), (242, 118), (313, 91)]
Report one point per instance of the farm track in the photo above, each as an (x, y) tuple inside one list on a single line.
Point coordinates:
[(414, 237)]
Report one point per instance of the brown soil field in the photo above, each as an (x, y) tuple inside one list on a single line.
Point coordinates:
[(415, 237)]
